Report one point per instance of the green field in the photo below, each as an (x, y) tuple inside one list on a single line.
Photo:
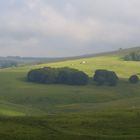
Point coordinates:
[(31, 111)]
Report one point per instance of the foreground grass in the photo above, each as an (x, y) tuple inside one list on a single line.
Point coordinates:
[(119, 125)]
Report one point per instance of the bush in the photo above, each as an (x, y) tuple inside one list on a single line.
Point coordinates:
[(134, 79), (133, 56), (42, 75), (71, 77), (111, 78), (58, 76), (102, 77)]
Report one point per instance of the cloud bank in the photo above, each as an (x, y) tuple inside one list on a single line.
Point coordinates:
[(53, 28)]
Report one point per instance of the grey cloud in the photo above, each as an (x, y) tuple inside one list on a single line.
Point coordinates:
[(63, 28)]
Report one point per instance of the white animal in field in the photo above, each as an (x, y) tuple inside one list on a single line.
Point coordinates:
[(83, 62)]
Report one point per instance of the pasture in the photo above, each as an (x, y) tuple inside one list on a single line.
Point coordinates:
[(34, 111)]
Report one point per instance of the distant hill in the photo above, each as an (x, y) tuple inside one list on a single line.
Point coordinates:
[(13, 61), (120, 52)]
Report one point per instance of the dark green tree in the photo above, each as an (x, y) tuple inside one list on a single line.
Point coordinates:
[(58, 76), (133, 56), (134, 79), (102, 77)]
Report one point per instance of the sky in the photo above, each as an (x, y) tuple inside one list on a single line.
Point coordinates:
[(57, 28)]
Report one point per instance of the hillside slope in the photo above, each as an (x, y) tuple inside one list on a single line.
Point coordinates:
[(61, 98), (54, 112), (119, 52)]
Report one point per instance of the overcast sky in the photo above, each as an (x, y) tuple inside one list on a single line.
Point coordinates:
[(53, 28)]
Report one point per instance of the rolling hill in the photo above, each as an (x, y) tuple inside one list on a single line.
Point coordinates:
[(34, 111)]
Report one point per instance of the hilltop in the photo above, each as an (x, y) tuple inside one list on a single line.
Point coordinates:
[(119, 52)]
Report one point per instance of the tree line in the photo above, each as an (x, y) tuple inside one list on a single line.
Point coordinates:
[(72, 76), (58, 76), (133, 56)]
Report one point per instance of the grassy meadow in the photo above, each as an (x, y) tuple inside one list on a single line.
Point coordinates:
[(31, 111)]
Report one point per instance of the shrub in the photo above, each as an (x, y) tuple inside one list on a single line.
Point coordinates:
[(36, 76), (71, 76), (42, 76), (58, 76), (134, 79), (111, 78), (79, 78), (102, 77), (133, 56), (100, 81)]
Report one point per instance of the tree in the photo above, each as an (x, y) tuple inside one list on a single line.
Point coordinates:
[(72, 77), (134, 79), (102, 77), (133, 56), (36, 76), (79, 78), (101, 81), (42, 76), (112, 78)]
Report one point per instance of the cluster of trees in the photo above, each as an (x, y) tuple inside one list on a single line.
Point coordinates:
[(71, 76), (58, 76), (102, 77), (134, 56)]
